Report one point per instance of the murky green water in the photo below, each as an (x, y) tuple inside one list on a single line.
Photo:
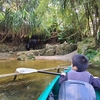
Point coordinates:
[(95, 71), (30, 86), (25, 87)]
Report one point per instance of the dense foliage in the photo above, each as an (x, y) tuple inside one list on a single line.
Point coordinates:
[(66, 20)]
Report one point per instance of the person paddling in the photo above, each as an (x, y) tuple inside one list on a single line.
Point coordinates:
[(78, 75), (79, 72)]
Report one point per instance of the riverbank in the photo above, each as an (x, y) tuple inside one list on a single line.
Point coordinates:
[(13, 55), (66, 57)]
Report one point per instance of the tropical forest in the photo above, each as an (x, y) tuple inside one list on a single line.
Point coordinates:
[(51, 22), (38, 39)]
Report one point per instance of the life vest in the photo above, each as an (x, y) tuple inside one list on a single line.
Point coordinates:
[(81, 76), (76, 90)]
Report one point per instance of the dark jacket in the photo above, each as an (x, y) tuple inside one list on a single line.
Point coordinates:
[(81, 76)]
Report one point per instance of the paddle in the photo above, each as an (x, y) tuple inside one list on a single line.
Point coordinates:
[(31, 70)]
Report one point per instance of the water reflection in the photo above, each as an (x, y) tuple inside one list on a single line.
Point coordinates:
[(25, 87)]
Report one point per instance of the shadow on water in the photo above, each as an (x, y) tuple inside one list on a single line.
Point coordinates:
[(26, 87)]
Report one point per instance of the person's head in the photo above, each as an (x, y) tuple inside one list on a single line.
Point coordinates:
[(79, 62)]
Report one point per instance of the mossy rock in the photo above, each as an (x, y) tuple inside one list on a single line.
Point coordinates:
[(88, 43)]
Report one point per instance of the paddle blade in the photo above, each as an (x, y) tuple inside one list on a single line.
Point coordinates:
[(25, 70)]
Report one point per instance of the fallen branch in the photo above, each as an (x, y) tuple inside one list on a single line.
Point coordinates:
[(56, 68), (16, 73), (7, 75)]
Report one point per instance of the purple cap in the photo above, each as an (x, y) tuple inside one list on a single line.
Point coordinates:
[(80, 61)]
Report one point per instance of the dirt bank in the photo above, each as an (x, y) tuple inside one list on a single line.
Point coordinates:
[(13, 55), (8, 56), (66, 57)]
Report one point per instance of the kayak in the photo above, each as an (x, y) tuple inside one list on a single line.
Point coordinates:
[(54, 87)]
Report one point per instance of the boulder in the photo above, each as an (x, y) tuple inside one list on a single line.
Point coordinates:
[(49, 50), (25, 55)]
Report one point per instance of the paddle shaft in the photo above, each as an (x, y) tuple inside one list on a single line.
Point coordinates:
[(41, 71), (46, 72)]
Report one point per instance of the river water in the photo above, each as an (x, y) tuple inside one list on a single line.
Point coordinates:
[(30, 86), (26, 87)]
